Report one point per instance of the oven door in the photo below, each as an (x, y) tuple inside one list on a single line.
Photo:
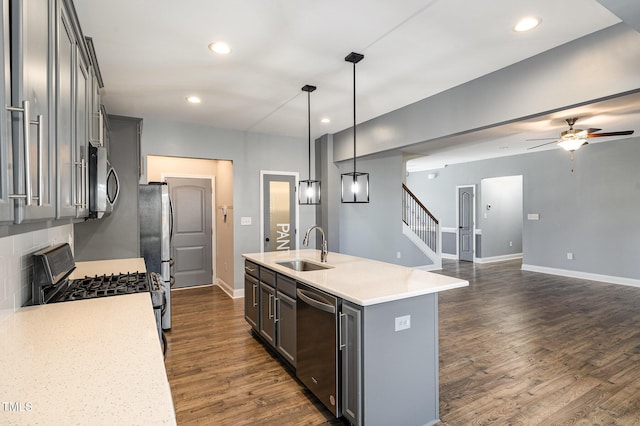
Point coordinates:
[(104, 186)]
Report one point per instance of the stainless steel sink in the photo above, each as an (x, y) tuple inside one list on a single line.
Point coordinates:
[(303, 265)]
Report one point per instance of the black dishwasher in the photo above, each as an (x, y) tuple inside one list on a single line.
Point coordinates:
[(317, 364)]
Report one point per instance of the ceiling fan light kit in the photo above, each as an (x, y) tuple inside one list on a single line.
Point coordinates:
[(309, 190), (355, 185)]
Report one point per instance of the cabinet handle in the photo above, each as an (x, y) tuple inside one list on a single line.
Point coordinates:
[(40, 123), (275, 309), (341, 345), (26, 122), (249, 269), (78, 194), (85, 184), (100, 128), (270, 306), (255, 298)]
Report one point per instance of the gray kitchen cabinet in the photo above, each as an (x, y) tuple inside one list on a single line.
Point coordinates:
[(286, 318), (270, 308), (32, 106), (71, 117), (6, 151), (65, 114), (351, 354), (267, 313), (96, 114), (251, 285), (81, 158)]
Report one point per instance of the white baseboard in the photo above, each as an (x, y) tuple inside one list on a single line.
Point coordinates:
[(582, 275), (449, 256), (229, 290), (498, 258)]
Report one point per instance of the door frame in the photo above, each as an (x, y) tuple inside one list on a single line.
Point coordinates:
[(296, 176), (473, 228), (164, 176)]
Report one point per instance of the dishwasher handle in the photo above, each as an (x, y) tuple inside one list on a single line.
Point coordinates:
[(307, 297)]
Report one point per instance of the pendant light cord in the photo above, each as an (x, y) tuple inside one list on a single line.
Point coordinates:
[(354, 121), (309, 122)]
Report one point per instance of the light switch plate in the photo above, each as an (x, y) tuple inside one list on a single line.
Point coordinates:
[(245, 220)]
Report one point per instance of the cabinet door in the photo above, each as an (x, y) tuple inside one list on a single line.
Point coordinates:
[(82, 136), (251, 300), (351, 349), (286, 327), (267, 313), (65, 116), (6, 179), (32, 37), (95, 115)]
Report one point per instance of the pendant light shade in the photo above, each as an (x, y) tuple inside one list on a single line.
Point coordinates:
[(309, 190), (355, 185)]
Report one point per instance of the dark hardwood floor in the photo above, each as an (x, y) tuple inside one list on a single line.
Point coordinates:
[(516, 348)]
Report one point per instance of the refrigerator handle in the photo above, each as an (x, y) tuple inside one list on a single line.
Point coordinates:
[(170, 221)]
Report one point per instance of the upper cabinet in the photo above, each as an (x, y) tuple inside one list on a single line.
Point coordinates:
[(71, 95), (32, 106), (6, 152), (50, 96)]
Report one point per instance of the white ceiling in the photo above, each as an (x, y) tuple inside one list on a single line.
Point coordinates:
[(153, 54)]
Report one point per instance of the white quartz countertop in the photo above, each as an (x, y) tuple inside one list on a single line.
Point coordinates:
[(361, 281), (106, 267), (90, 362)]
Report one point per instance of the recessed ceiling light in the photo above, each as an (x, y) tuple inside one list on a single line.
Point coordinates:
[(526, 24), (194, 99), (220, 47), (325, 120)]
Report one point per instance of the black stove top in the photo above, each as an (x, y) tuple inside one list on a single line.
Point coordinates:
[(105, 285)]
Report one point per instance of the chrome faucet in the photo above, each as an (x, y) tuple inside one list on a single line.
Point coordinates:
[(323, 251)]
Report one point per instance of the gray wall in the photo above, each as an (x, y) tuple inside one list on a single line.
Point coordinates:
[(250, 153), (374, 230), (116, 236), (591, 212), (502, 224)]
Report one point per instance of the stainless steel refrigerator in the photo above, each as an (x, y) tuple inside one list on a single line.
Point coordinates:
[(156, 229)]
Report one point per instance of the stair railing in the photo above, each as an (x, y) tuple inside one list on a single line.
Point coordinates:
[(419, 219)]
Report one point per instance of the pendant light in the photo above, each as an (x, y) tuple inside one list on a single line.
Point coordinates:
[(355, 185), (309, 190)]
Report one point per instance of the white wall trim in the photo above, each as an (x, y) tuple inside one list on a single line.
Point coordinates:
[(423, 247), (582, 275), (498, 258), (450, 256), (229, 290), (448, 230)]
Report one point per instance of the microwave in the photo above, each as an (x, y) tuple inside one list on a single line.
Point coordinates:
[(104, 186)]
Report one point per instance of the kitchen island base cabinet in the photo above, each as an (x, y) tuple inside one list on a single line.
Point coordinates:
[(398, 375)]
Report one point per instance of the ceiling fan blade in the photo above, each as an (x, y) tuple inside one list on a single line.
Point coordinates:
[(600, 135), (542, 139), (538, 146), (592, 130)]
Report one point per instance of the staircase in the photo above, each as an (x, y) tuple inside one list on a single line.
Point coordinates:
[(421, 227)]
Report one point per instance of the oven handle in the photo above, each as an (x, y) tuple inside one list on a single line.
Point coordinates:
[(308, 298)]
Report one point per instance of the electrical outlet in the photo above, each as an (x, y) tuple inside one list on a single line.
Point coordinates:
[(510, 243), (569, 256), (245, 220), (398, 255), (403, 323)]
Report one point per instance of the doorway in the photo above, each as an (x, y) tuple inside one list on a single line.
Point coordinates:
[(279, 211), (465, 218), (192, 250)]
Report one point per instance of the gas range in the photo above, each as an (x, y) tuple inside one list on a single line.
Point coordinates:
[(51, 283), (104, 285)]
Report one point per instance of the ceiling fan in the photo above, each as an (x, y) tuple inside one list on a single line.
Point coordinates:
[(573, 139)]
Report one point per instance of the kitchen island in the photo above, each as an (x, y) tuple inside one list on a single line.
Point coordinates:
[(387, 329), (83, 362)]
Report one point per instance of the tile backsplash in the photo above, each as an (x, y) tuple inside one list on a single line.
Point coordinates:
[(16, 264)]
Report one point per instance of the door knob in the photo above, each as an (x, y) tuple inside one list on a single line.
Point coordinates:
[(267, 239)]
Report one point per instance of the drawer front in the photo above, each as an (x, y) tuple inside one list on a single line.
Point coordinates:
[(268, 276), (287, 286), (252, 269)]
